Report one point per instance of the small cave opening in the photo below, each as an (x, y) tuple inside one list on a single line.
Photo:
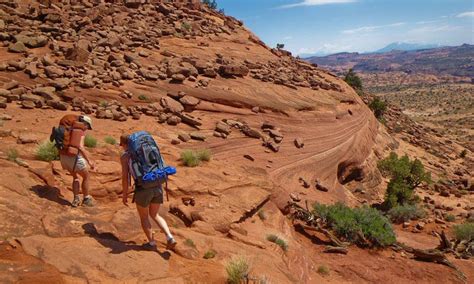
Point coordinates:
[(349, 171)]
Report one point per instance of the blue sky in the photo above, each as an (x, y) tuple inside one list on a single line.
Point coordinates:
[(329, 26)]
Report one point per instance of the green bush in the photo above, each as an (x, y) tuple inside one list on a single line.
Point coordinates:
[(204, 155), (355, 225), (353, 80), (104, 104), (237, 269), (323, 270), (404, 213), (450, 218), (405, 175), (189, 243), (210, 254), (378, 107), (211, 3), (12, 154), (193, 158), (47, 151), (143, 98), (110, 140), (90, 141), (186, 26), (279, 241), (464, 231)]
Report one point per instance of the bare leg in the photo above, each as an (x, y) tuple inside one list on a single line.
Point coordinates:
[(75, 184), (85, 181), (154, 207), (146, 225)]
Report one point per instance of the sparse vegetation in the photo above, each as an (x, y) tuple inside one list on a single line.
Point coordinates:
[(280, 46), (450, 218), (189, 243), (463, 154), (90, 141), (210, 254), (357, 224), (353, 80), (143, 98), (47, 151), (211, 3), (110, 140), (405, 176), (323, 270), (262, 215), (186, 26), (104, 104), (464, 231), (237, 269), (12, 154), (193, 158), (404, 213), (378, 107), (279, 241)]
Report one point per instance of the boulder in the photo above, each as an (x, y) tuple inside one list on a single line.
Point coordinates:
[(53, 72), (251, 132), (28, 104), (197, 136), (77, 55), (320, 186), (171, 105), (3, 102), (46, 92), (178, 78), (32, 41), (184, 137), (17, 47), (223, 127), (189, 100), (233, 70), (299, 143)]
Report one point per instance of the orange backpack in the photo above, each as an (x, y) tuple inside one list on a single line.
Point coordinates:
[(74, 130)]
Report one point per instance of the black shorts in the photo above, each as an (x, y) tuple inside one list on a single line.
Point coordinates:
[(144, 197)]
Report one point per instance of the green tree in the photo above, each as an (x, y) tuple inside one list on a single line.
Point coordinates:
[(280, 46), (405, 176), (353, 80), (211, 3), (378, 107)]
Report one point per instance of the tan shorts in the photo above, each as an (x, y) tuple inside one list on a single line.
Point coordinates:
[(67, 162), (144, 197)]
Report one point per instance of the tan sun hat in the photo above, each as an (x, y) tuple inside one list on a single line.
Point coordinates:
[(87, 120)]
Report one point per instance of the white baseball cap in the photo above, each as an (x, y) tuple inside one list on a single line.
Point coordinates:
[(87, 120)]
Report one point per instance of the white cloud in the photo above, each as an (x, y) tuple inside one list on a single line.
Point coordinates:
[(287, 38), (327, 48), (367, 29), (466, 14), (426, 22), (432, 29), (316, 3)]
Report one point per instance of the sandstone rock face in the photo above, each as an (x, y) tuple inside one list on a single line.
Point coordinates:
[(234, 70)]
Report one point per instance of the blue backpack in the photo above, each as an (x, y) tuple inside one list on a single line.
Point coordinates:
[(148, 165)]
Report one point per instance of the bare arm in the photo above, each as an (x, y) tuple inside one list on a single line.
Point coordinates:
[(125, 178), (85, 153)]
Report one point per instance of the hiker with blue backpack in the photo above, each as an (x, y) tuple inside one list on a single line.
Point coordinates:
[(143, 162)]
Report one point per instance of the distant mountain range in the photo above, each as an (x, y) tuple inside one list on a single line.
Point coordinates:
[(400, 46), (455, 61), (404, 46)]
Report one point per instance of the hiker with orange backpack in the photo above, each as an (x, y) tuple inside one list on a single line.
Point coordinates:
[(143, 162), (69, 139)]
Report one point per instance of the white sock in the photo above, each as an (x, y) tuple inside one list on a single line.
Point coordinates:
[(153, 243), (169, 237)]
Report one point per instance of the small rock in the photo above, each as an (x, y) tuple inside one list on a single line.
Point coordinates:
[(197, 136), (184, 137), (299, 143), (248, 157)]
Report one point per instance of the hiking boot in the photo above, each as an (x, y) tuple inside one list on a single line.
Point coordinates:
[(149, 246), (88, 201), (76, 201), (170, 244)]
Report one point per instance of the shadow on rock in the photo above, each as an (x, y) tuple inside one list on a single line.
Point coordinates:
[(116, 246), (50, 193)]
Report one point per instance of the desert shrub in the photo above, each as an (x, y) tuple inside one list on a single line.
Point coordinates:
[(450, 218), (211, 3), (237, 270), (210, 254), (12, 154), (280, 46), (191, 158), (463, 154), (261, 214), (404, 213), (405, 175), (90, 141), (104, 104), (189, 243), (47, 151), (110, 140), (279, 241), (186, 26), (204, 155), (143, 98), (464, 231), (353, 80), (356, 224), (323, 270), (378, 107)]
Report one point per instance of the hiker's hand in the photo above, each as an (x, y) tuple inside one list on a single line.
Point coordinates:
[(125, 200)]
